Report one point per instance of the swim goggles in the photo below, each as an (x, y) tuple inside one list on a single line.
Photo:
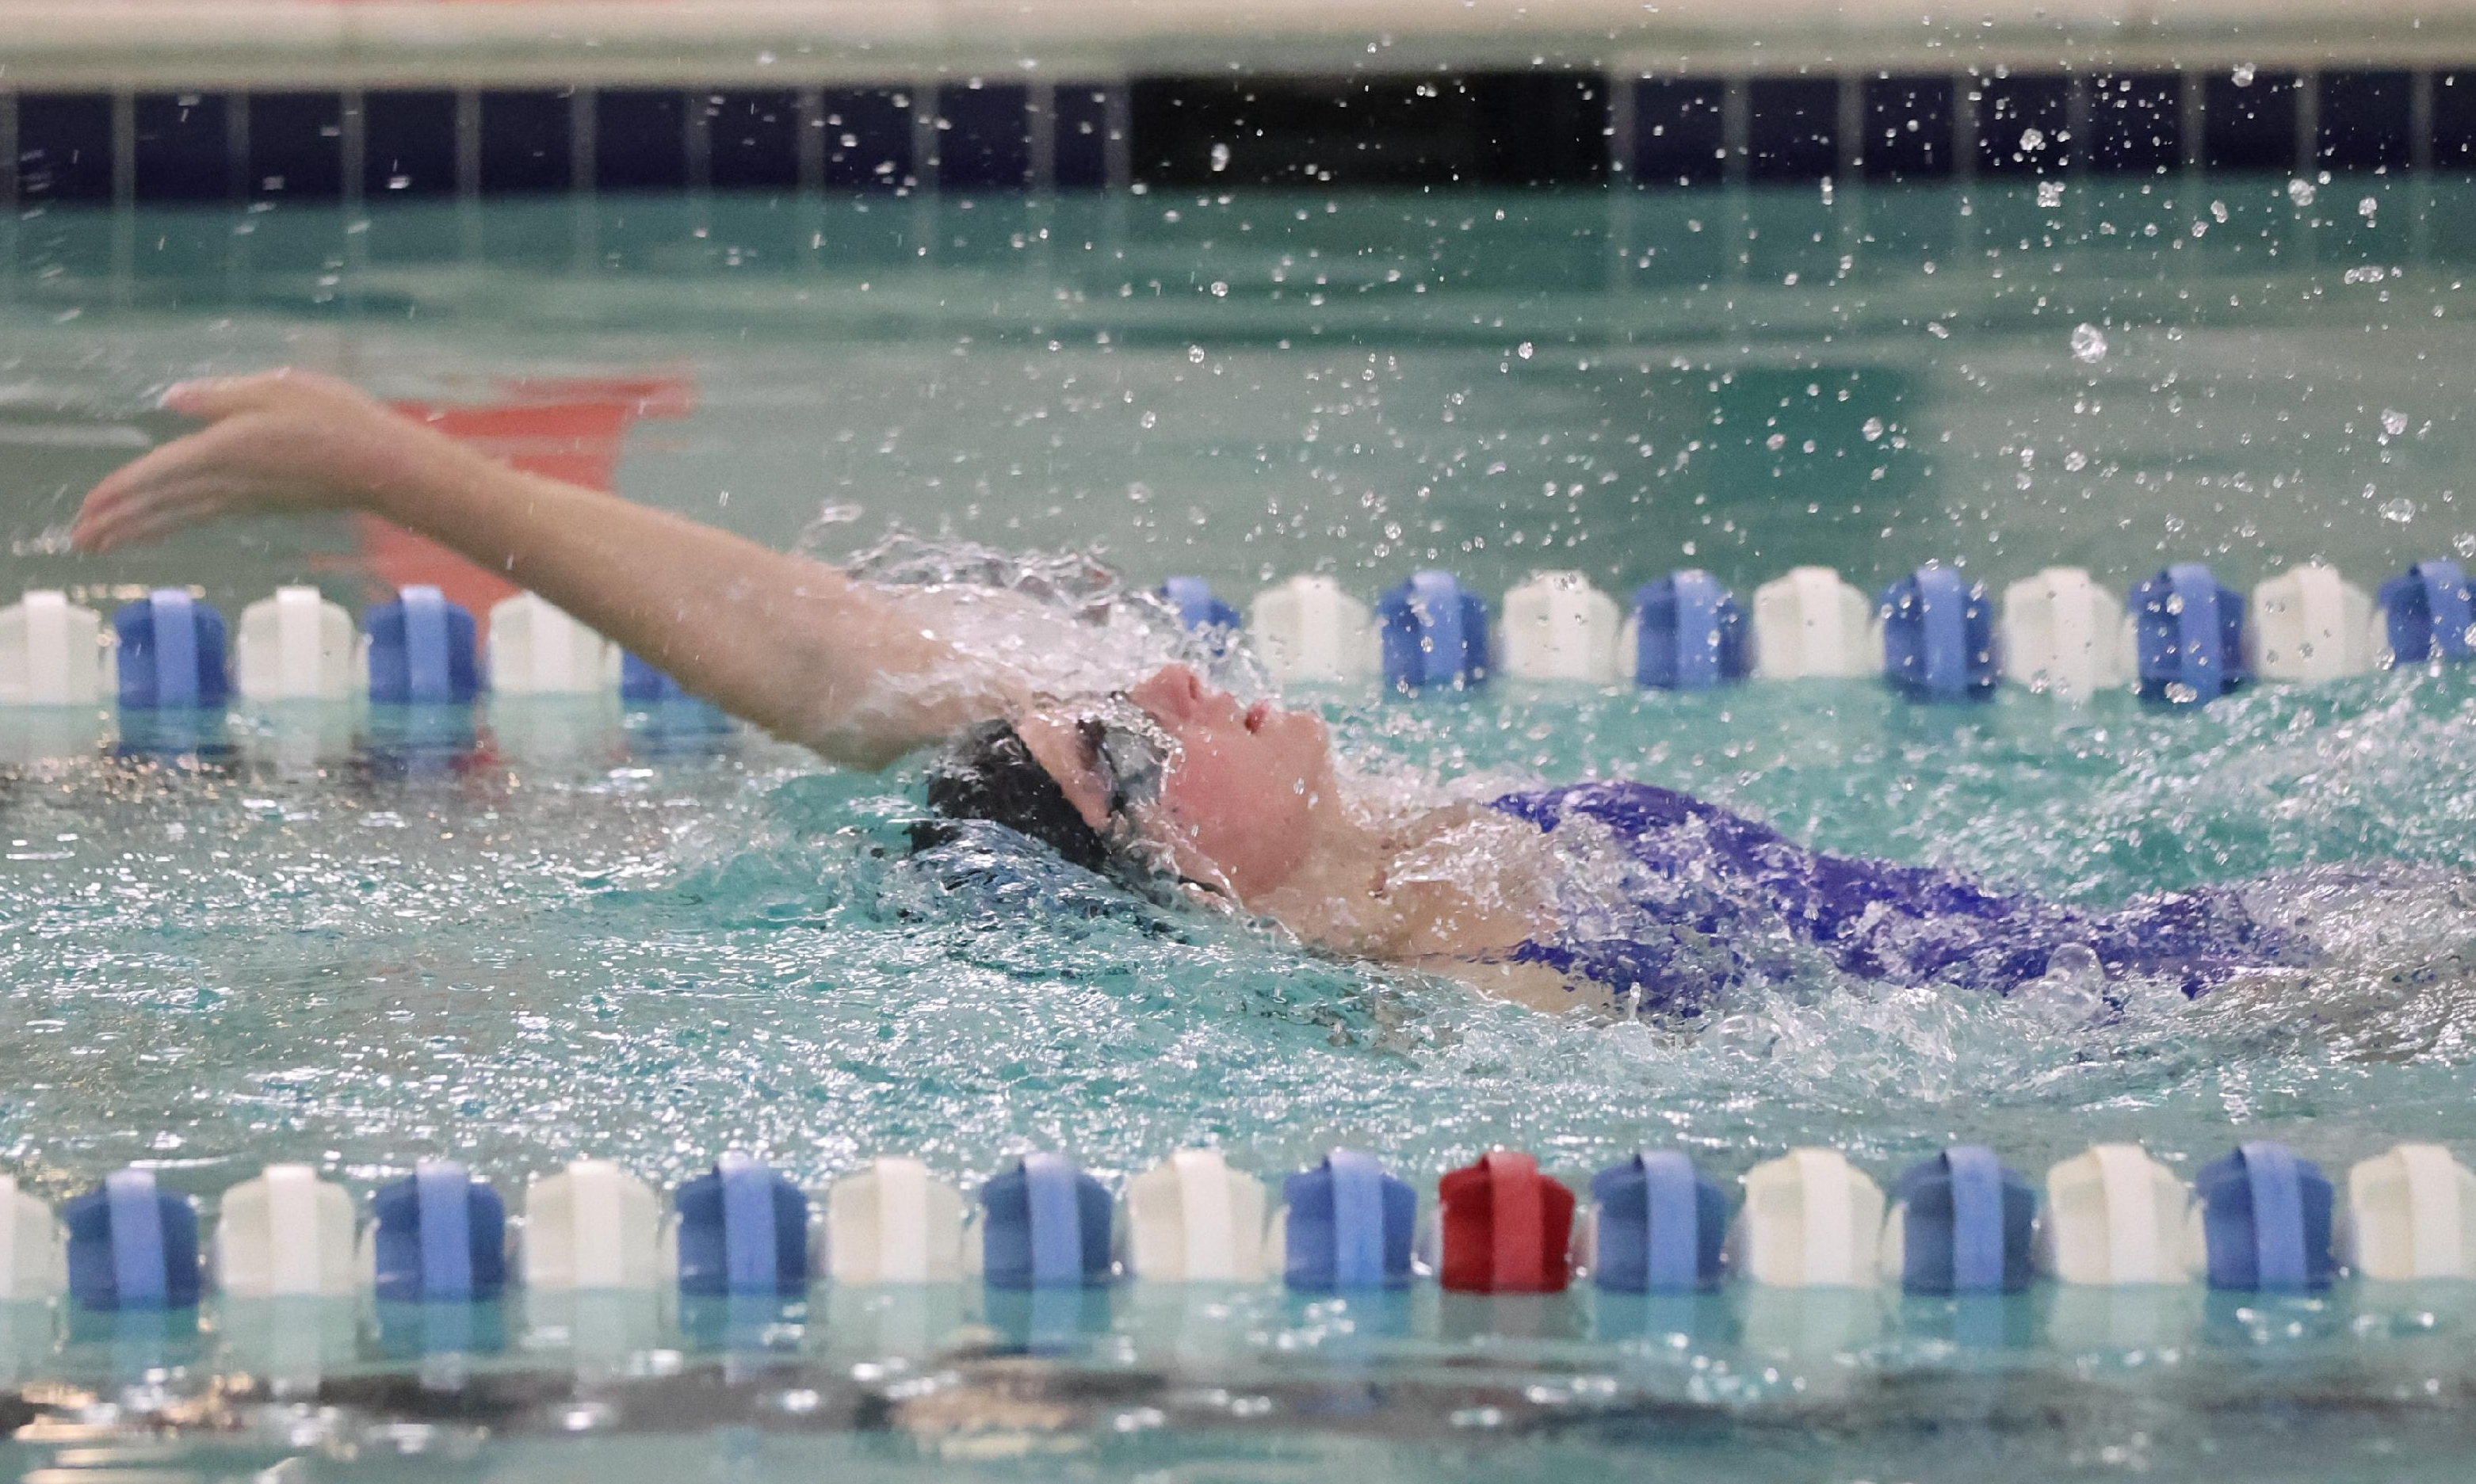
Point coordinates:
[(1129, 752)]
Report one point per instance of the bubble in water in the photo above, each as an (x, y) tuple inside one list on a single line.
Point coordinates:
[(2400, 510), (2300, 191), (2073, 990), (2088, 344), (1220, 157), (2243, 74), (2394, 421)]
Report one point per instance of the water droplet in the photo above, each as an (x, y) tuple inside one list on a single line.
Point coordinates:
[(1220, 157), (2032, 140), (1523, 350), (1872, 430), (2394, 421), (2400, 510), (2050, 193), (2088, 344), (2300, 191), (2367, 207), (2243, 74)]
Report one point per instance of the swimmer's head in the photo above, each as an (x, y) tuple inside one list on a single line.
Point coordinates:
[(1170, 779), (1205, 786)]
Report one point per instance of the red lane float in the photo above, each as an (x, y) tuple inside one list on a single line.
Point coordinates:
[(1504, 1227)]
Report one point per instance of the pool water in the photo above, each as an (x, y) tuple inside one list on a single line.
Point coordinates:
[(548, 930)]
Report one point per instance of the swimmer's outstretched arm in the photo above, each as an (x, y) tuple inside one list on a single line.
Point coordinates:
[(856, 672)]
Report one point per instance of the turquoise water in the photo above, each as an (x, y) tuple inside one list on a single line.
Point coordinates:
[(360, 940)]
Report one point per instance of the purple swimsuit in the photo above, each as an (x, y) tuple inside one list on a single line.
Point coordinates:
[(1691, 899)]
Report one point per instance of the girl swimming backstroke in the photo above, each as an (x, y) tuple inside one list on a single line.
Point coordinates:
[(1621, 895)]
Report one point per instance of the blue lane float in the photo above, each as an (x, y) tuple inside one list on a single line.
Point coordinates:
[(1965, 1221), (1198, 610), (1939, 636), (641, 683), (1689, 634), (742, 1230), (2265, 1221), (1658, 1225), (171, 653), (438, 1236), (1347, 1225), (2187, 632), (422, 651), (1434, 633), (1045, 1224), (132, 1245), (2427, 615)]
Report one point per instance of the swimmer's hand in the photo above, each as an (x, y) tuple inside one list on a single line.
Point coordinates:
[(277, 442)]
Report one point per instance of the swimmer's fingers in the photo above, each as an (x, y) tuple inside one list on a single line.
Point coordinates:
[(148, 479), (159, 511)]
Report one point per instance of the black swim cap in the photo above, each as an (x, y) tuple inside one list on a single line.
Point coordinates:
[(989, 773)]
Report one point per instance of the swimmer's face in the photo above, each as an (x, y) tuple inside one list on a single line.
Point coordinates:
[(1236, 791)]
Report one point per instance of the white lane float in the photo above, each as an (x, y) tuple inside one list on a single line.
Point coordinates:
[(893, 1222), (285, 1234), (2311, 624), (537, 649), (591, 1227), (2113, 1217), (1557, 627), (2411, 1214), (1813, 624), (1309, 632), (295, 646), (2062, 633), (1810, 1219), (1191, 1218), (53, 654)]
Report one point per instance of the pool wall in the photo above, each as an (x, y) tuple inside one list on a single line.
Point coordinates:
[(249, 100)]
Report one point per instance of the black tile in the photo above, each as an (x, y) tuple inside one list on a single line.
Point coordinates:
[(1498, 128), (1541, 128), (64, 147), (868, 137), (2249, 126), (408, 145), (1083, 141), (528, 142), (983, 137), (1793, 128), (1908, 128), (296, 146), (753, 139), (1678, 136), (183, 147), (2365, 123), (640, 140), (2136, 123), (2453, 120), (2022, 124)]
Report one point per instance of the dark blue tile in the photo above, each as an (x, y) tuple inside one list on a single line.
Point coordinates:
[(1908, 128), (1679, 135), (983, 137), (2249, 125), (408, 145), (2364, 122), (64, 147), (2022, 124), (528, 142), (1083, 140), (2453, 120), (183, 150), (640, 140), (296, 146), (868, 137), (1538, 128), (2136, 123), (752, 139), (1793, 128)]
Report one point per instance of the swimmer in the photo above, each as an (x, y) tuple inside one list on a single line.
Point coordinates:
[(1623, 897)]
